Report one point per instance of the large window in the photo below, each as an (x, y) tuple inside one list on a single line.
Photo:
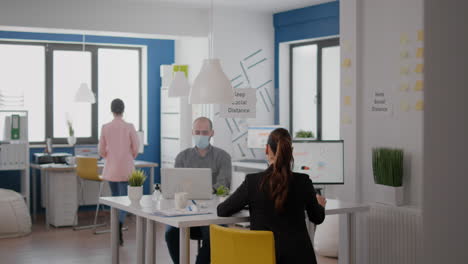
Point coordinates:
[(44, 77), (315, 88)]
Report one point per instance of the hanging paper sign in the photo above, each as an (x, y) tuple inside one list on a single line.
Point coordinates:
[(243, 106)]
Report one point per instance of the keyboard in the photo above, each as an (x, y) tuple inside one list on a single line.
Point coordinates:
[(253, 160)]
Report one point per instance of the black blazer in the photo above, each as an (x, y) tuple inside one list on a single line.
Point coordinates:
[(292, 242)]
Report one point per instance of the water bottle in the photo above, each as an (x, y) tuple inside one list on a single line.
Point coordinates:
[(157, 192)]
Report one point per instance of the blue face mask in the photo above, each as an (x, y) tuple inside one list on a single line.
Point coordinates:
[(201, 142)]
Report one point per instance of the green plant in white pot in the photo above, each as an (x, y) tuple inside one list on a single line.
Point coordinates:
[(222, 192), (135, 186), (387, 167), (301, 134), (71, 133)]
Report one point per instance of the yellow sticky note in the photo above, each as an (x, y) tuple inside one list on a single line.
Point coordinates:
[(347, 100), (419, 68), (346, 46), (404, 70), (419, 52), (421, 35), (404, 54), (419, 105), (404, 106), (404, 38), (346, 119), (347, 82), (419, 86), (347, 63), (404, 87)]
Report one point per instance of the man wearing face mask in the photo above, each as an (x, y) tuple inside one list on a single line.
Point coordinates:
[(202, 155)]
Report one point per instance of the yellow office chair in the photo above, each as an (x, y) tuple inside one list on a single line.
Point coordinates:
[(233, 246), (87, 170)]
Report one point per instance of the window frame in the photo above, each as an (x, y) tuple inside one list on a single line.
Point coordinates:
[(323, 43), (49, 48)]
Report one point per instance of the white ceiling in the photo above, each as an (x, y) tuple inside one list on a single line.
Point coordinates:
[(270, 6)]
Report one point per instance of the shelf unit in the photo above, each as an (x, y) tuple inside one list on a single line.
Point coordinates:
[(14, 154)]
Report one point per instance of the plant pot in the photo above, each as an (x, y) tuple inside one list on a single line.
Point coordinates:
[(71, 140), (135, 194), (389, 195), (222, 198)]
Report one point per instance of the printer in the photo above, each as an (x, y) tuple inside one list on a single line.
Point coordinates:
[(43, 158)]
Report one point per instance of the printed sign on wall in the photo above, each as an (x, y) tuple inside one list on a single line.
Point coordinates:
[(243, 106)]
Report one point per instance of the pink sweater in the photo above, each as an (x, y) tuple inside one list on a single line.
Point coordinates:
[(119, 146)]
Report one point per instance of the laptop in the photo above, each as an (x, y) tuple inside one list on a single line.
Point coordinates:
[(197, 182)]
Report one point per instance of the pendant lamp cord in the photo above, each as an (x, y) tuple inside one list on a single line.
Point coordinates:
[(211, 36), (83, 41)]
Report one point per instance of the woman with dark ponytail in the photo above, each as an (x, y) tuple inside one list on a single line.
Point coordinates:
[(277, 199)]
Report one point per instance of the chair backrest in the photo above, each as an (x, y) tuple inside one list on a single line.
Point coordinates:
[(230, 245), (87, 168)]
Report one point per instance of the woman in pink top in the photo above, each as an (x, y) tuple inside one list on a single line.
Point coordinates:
[(119, 146)]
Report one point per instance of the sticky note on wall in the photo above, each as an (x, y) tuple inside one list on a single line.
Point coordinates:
[(419, 105), (404, 106), (404, 38), (419, 68), (421, 35), (419, 52), (347, 100), (404, 87), (419, 86), (404, 54), (346, 63), (404, 70)]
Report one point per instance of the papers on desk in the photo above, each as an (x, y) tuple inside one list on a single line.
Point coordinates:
[(172, 212)]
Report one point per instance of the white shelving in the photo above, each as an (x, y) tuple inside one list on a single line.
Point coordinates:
[(14, 154), (176, 116)]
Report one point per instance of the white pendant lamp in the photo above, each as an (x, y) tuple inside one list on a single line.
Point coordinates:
[(84, 94), (179, 86), (211, 86)]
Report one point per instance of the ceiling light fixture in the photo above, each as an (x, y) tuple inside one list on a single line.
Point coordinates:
[(211, 86)]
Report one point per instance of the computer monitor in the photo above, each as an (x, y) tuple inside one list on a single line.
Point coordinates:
[(323, 161), (197, 182), (257, 136), (90, 151)]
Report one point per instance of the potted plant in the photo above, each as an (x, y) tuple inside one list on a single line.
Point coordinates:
[(387, 167), (71, 133), (222, 192), (305, 134), (135, 186)]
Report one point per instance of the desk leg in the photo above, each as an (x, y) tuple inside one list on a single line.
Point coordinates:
[(47, 197), (34, 179), (140, 239), (347, 243), (150, 238), (184, 253), (115, 235)]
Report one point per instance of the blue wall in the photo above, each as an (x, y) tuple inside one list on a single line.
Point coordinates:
[(305, 23), (158, 52)]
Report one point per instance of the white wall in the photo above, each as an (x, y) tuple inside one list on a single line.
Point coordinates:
[(381, 24), (105, 15), (238, 34), (445, 199)]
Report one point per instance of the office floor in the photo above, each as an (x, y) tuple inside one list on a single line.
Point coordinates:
[(65, 246)]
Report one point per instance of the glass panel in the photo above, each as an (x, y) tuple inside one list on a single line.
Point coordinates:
[(304, 78), (331, 93), (22, 85), (119, 77), (71, 68)]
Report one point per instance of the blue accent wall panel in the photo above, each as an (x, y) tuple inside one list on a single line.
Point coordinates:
[(158, 52), (305, 23)]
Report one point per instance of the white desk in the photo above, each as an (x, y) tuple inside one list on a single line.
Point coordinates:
[(46, 168), (144, 210)]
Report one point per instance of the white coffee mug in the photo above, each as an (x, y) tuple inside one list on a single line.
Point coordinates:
[(180, 200)]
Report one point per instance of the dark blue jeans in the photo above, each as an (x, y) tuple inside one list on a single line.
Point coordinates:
[(119, 189), (172, 240)]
